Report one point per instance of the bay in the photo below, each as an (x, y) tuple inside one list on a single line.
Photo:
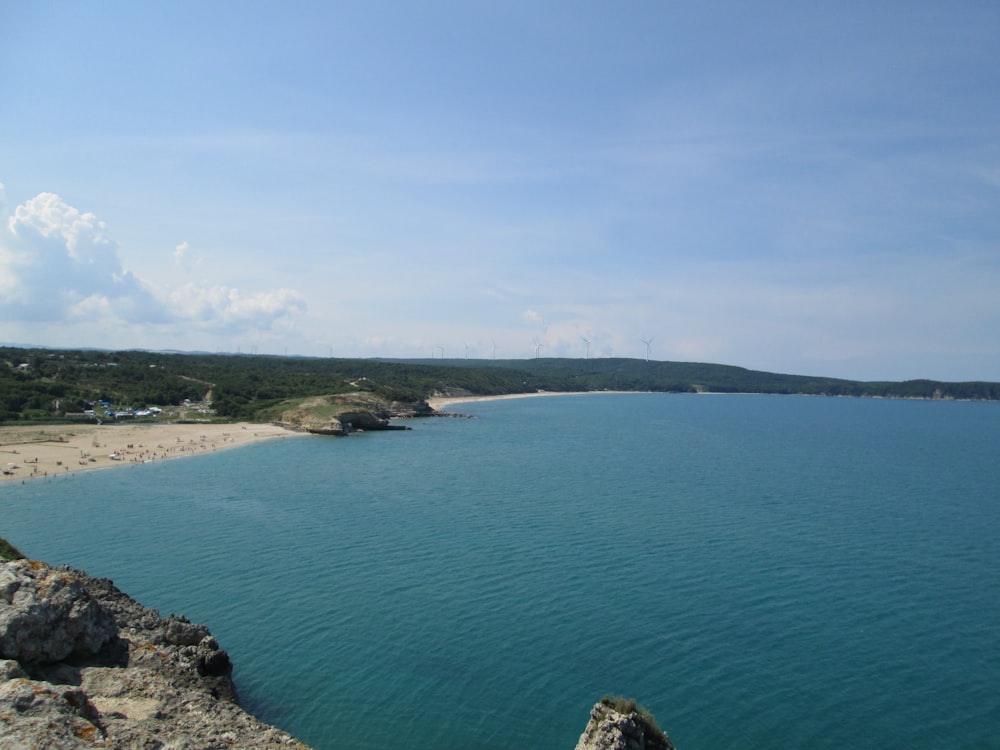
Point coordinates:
[(764, 570)]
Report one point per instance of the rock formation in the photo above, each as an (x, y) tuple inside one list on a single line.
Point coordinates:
[(82, 665), (619, 724), (344, 413)]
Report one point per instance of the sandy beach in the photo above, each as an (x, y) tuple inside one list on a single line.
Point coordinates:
[(442, 402), (30, 452)]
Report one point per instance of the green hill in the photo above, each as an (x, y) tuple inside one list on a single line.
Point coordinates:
[(59, 385)]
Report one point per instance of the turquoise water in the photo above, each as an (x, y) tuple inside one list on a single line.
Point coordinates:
[(759, 571)]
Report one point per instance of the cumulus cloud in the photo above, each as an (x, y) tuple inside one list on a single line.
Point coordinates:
[(59, 264), (219, 304)]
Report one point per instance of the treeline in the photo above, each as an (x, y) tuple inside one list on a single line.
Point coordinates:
[(38, 384), (691, 377), (42, 384)]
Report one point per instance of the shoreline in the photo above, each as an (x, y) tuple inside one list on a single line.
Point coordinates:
[(38, 452), (437, 403), (441, 402)]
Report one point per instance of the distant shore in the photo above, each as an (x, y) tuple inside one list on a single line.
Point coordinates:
[(37, 452), (33, 452), (441, 402)]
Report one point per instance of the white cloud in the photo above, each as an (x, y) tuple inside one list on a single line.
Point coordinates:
[(49, 216), (95, 307), (60, 264), (532, 317), (181, 257), (184, 257), (53, 259), (221, 306)]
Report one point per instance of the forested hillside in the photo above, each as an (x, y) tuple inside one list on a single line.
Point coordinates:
[(47, 384)]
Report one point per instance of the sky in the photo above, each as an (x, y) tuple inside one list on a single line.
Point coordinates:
[(808, 188)]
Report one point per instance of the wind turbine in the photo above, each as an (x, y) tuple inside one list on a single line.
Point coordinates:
[(587, 342), (647, 342), (494, 349), (466, 351), (442, 351), (538, 345)]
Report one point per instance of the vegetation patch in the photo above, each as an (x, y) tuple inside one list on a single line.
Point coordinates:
[(41, 385), (8, 551), (655, 737)]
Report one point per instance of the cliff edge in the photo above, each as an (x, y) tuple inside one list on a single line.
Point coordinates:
[(620, 724), (344, 413), (83, 665)]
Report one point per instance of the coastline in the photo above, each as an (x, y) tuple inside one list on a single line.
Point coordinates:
[(42, 451), (34, 451), (437, 403)]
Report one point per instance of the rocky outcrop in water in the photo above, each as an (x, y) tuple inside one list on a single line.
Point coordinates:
[(82, 665), (617, 724), (344, 413)]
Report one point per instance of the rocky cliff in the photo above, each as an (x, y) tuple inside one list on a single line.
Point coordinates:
[(344, 413), (619, 724), (82, 665)]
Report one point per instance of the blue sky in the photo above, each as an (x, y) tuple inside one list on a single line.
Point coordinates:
[(796, 187)]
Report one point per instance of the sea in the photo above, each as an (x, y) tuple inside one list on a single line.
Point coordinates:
[(758, 571)]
